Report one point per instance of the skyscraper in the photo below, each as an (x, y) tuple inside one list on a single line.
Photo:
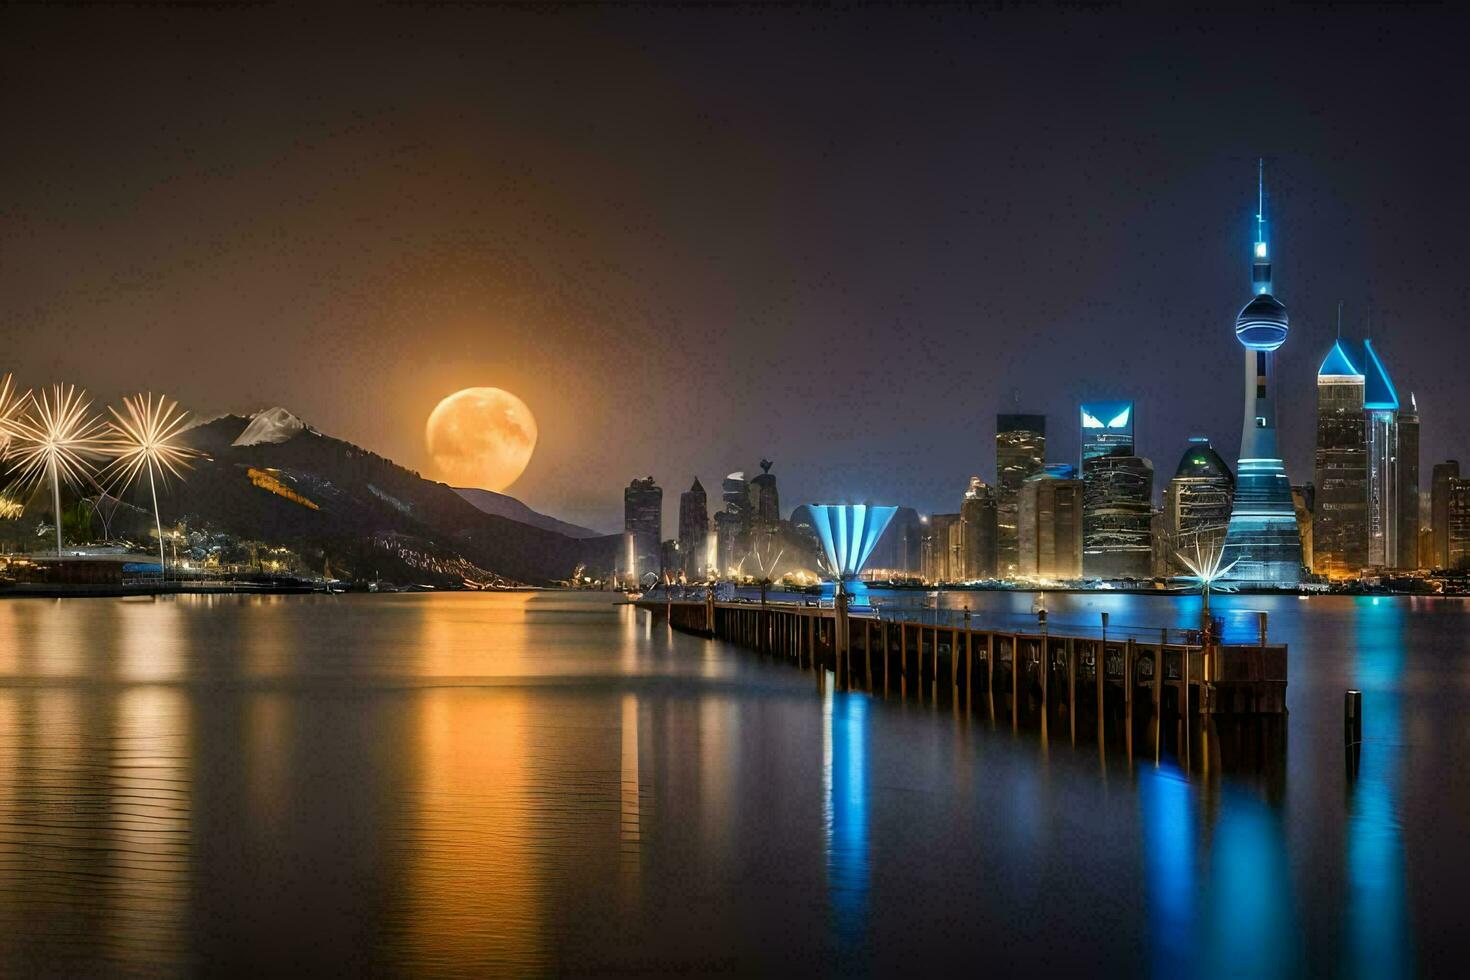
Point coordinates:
[(765, 502), (1117, 540), (1107, 430), (765, 517), (1407, 481), (1439, 511), (1197, 503), (1020, 452), (941, 545), (979, 523), (1340, 514), (1381, 408), (1262, 539), (732, 524), (694, 530), (643, 522), (1049, 525), (1457, 512)]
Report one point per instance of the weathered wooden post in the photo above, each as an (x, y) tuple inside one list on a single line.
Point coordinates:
[(1045, 670), (887, 666), (990, 673), (934, 661), (969, 663), (1352, 717), (868, 654), (1099, 676), (1015, 683), (839, 637), (1352, 731), (1184, 701), (1262, 623), (903, 660), (1130, 657), (1072, 686), (1158, 698)]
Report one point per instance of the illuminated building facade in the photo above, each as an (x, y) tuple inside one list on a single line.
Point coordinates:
[(1049, 525), (942, 544), (979, 525), (1381, 406), (1457, 523), (1020, 452), (1407, 483), (733, 524), (1117, 537), (1340, 513), (643, 522), (694, 531), (1107, 430), (765, 514), (1197, 504), (765, 501), (1262, 538), (1439, 511)]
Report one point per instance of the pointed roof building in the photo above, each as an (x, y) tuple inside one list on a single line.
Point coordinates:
[(1378, 391), (1338, 363)]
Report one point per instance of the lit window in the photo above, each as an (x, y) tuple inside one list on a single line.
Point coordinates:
[(1260, 421), (1260, 250)]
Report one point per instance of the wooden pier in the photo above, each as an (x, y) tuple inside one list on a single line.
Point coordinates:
[(1123, 684)]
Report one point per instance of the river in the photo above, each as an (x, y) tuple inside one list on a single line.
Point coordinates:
[(537, 783)]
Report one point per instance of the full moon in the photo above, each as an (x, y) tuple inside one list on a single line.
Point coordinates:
[(481, 437)]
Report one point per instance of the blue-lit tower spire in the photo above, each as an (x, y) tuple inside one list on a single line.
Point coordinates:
[(1261, 254), (1262, 539)]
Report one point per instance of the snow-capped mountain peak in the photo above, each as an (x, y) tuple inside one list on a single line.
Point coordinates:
[(274, 425)]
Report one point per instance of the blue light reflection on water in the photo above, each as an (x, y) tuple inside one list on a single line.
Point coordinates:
[(1249, 915), (845, 772), (1167, 808), (1378, 937)]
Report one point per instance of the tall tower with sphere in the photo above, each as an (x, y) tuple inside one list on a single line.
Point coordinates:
[(1262, 538)]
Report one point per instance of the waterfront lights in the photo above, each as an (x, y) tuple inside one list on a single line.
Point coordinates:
[(56, 436), (145, 439), (849, 532)]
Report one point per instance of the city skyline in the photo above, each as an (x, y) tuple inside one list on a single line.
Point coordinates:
[(358, 268)]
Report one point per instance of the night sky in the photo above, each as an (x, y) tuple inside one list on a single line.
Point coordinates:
[(689, 238)]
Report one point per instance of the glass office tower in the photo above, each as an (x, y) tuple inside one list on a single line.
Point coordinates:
[(1020, 452), (1340, 511)]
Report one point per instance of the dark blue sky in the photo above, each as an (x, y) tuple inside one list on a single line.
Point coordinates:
[(689, 238)]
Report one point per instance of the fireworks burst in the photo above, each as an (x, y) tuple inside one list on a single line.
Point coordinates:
[(58, 437), (11, 405), (145, 439)]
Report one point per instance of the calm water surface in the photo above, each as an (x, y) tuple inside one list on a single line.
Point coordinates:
[(519, 784)]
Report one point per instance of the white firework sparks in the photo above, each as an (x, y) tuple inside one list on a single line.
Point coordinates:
[(12, 404), (57, 437), (145, 439)]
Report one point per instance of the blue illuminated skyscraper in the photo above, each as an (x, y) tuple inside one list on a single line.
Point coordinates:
[(1117, 540), (1381, 405), (1262, 538)]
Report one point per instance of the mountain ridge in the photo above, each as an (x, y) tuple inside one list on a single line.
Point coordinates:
[(370, 517)]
